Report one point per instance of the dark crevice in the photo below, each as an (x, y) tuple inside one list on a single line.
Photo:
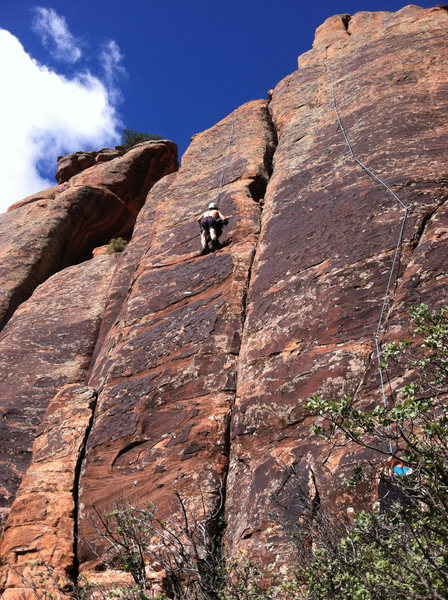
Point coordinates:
[(257, 190), (346, 18), (268, 159), (245, 294), (220, 520), (76, 485), (315, 501), (127, 448), (26, 551), (86, 253)]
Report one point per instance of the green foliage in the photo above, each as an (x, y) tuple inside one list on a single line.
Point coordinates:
[(116, 245), (400, 553), (130, 138)]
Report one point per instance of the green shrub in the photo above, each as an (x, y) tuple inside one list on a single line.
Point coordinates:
[(401, 551), (116, 245), (130, 138)]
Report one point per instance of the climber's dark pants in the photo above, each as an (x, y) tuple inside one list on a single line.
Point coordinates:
[(210, 229), (208, 223)]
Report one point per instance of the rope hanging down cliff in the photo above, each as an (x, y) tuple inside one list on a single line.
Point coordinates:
[(391, 277), (226, 162)]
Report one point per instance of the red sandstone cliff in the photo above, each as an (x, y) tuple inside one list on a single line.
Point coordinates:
[(158, 370)]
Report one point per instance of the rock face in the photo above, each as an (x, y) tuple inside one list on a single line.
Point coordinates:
[(57, 227), (326, 246), (42, 518), (51, 337), (72, 164), (49, 341), (132, 175), (167, 372), (201, 365)]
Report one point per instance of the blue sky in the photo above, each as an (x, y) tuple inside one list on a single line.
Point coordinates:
[(78, 72)]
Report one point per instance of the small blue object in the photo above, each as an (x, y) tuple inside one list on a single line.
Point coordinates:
[(401, 470)]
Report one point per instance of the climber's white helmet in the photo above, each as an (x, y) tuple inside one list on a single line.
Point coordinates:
[(212, 205)]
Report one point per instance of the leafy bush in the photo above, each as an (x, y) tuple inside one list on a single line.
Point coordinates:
[(116, 245), (130, 138), (400, 552)]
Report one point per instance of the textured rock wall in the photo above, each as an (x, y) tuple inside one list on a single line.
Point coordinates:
[(41, 527), (325, 250), (49, 342), (167, 372), (202, 365), (50, 339), (132, 175), (72, 164), (39, 238)]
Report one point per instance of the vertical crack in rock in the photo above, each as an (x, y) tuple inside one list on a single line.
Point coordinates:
[(257, 191), (424, 277), (402, 266), (42, 520), (346, 18), (424, 223), (76, 484), (38, 356), (203, 365)]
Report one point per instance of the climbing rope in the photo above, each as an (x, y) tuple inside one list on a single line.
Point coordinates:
[(391, 278), (226, 162)]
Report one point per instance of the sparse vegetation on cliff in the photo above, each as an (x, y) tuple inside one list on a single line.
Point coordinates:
[(116, 245), (395, 550), (131, 138)]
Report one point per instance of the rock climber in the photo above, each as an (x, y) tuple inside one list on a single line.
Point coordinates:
[(211, 223)]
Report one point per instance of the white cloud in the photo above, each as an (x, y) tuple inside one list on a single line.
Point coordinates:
[(55, 35), (111, 59), (44, 114)]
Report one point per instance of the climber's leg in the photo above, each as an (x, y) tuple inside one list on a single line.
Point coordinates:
[(204, 242), (214, 239)]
